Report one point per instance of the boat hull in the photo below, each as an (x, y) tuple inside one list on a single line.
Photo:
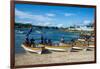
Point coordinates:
[(84, 48), (33, 50), (91, 47), (59, 49)]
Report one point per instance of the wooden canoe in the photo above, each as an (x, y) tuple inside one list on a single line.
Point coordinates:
[(32, 49)]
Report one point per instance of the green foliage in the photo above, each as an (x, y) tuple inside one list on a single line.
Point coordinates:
[(20, 25)]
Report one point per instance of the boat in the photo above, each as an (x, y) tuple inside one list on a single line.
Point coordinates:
[(19, 32), (84, 48), (81, 40), (77, 48), (80, 48), (91, 47), (80, 45), (59, 48), (32, 49)]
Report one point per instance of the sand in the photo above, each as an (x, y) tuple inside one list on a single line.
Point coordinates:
[(54, 57)]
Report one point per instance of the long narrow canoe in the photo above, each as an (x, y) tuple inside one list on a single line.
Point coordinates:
[(91, 47), (32, 49), (84, 48), (63, 47), (58, 48)]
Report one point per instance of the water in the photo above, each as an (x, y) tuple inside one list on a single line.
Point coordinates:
[(53, 34)]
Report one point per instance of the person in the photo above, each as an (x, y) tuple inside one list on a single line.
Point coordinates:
[(27, 41), (42, 39), (45, 41), (49, 42), (32, 42), (73, 42), (62, 39)]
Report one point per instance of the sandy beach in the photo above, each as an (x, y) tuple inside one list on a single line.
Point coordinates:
[(54, 57)]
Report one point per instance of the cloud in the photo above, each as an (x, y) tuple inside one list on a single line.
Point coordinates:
[(50, 24), (86, 22), (22, 14), (23, 21), (41, 18), (26, 15), (69, 14), (60, 25), (50, 14), (37, 19), (44, 24)]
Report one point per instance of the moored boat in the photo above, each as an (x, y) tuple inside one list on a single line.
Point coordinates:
[(32, 49), (58, 48), (62, 48), (80, 44), (91, 47)]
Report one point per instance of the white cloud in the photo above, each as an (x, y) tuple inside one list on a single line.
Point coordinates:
[(60, 25), (41, 18), (50, 24), (22, 14), (50, 14), (86, 22), (26, 15), (23, 21), (69, 14), (44, 24)]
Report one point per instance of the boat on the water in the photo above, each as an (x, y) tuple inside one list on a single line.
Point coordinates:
[(32, 49), (19, 31)]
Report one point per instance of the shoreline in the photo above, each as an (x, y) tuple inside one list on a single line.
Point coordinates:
[(54, 57)]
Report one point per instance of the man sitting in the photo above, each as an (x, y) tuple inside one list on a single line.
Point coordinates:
[(32, 42)]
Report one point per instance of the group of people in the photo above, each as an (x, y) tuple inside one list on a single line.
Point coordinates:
[(31, 42), (45, 41)]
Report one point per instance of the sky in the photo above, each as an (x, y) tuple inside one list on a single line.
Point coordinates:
[(57, 16)]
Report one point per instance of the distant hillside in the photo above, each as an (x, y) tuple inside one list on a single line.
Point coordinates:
[(21, 25), (74, 28)]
